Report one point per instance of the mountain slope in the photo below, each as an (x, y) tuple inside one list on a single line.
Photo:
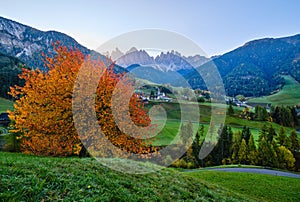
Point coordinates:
[(27, 43), (10, 68), (255, 68)]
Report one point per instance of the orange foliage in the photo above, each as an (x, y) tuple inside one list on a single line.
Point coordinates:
[(43, 109)]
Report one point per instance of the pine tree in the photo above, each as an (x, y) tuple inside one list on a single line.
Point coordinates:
[(242, 154), (230, 110), (266, 153), (246, 134), (271, 134), (261, 113), (294, 142), (294, 115), (263, 132), (237, 138), (196, 145), (264, 114), (251, 150), (282, 138)]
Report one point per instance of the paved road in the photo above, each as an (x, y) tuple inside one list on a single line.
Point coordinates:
[(251, 170)]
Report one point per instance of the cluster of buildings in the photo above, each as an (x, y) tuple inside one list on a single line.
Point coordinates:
[(235, 102), (161, 96)]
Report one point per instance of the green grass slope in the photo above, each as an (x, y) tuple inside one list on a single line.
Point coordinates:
[(289, 95), (172, 127), (32, 178), (257, 187), (5, 105)]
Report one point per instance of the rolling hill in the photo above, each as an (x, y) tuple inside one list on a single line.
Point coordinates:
[(289, 95), (32, 178)]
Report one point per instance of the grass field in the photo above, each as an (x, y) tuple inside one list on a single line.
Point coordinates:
[(257, 187), (32, 178), (173, 122), (289, 95), (5, 105)]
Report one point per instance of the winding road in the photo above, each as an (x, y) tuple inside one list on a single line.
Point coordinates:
[(251, 170)]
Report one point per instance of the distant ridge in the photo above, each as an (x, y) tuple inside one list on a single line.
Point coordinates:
[(255, 68)]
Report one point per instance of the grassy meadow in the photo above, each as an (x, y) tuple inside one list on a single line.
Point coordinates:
[(31, 178), (257, 187), (289, 95), (172, 126), (5, 105)]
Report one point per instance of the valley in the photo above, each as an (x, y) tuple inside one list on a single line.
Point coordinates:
[(43, 158)]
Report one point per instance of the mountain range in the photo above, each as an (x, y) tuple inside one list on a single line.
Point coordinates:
[(254, 69), (169, 61)]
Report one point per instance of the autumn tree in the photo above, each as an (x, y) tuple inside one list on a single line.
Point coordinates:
[(43, 113), (43, 109), (286, 159)]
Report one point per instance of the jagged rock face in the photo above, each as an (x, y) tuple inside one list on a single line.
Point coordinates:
[(27, 43), (170, 61), (135, 57)]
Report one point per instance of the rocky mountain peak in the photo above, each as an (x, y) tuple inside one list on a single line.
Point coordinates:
[(26, 43), (165, 61)]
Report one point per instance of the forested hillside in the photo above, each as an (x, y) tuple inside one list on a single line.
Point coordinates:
[(255, 69), (10, 67)]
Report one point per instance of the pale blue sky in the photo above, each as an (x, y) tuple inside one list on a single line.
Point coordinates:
[(216, 26)]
